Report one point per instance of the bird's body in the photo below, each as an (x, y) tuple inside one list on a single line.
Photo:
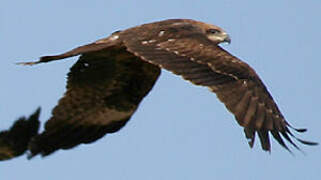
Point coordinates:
[(104, 90), (114, 74)]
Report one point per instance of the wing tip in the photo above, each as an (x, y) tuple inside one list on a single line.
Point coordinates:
[(42, 59), (265, 140), (30, 63)]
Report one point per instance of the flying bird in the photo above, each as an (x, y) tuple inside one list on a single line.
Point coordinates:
[(114, 74)]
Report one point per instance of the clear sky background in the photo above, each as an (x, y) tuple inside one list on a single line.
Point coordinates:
[(180, 131)]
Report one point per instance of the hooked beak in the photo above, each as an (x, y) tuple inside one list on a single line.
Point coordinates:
[(227, 39)]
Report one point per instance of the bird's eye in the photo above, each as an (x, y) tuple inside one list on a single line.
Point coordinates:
[(212, 31)]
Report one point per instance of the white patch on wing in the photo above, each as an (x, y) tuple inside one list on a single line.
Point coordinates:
[(235, 61), (114, 37), (110, 38), (151, 41), (180, 23), (145, 59), (161, 33), (104, 40)]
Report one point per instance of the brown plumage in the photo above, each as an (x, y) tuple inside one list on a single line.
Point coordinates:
[(113, 75), (104, 89), (14, 142)]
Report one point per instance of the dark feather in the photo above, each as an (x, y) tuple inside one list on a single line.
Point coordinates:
[(104, 89), (114, 74), (236, 84), (14, 142)]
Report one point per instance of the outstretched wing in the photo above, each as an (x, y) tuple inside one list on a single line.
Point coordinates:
[(98, 45), (14, 142), (184, 50), (104, 89)]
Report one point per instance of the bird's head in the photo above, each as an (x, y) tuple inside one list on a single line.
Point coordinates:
[(214, 33), (217, 35)]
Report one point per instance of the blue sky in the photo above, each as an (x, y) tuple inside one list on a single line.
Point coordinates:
[(180, 131)]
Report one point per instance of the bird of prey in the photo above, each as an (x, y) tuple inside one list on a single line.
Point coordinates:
[(114, 74)]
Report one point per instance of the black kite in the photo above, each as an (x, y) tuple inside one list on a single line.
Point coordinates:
[(114, 74)]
